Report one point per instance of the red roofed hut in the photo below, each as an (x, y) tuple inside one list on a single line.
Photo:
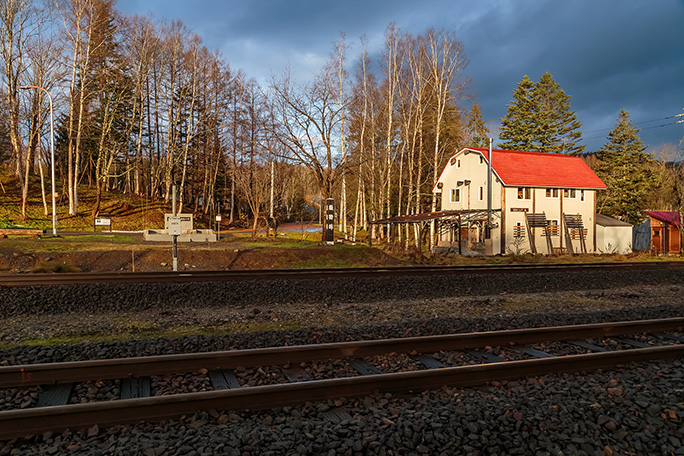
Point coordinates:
[(665, 232)]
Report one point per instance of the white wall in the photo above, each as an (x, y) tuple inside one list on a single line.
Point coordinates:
[(613, 239), (462, 167), (553, 208), (467, 165)]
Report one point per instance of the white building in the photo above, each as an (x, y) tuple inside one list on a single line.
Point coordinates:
[(540, 202), (612, 235)]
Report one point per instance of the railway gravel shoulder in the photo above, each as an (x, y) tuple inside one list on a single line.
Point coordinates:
[(55, 299), (634, 410)]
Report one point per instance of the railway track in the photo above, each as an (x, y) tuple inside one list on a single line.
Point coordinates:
[(21, 280), (292, 375)]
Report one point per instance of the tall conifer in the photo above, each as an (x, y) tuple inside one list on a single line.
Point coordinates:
[(517, 128), (477, 133), (540, 119), (624, 168)]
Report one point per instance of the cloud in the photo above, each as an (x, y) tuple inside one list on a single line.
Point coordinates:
[(607, 55)]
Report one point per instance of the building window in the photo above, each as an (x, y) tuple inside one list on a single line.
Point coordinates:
[(481, 193), (524, 193), (581, 195), (569, 193), (482, 160), (552, 193), (455, 195), (458, 163)]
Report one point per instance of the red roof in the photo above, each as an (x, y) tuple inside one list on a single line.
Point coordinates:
[(539, 169), (665, 216)]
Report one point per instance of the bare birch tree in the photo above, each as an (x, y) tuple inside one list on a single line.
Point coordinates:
[(445, 60), (20, 22)]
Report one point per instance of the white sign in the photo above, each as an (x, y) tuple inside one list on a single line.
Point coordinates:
[(218, 218), (103, 222), (175, 226)]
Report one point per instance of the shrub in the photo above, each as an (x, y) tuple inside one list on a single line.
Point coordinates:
[(54, 267), (5, 223)]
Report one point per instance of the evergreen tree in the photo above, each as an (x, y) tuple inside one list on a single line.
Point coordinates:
[(477, 133), (517, 128), (624, 166), (540, 119), (557, 126)]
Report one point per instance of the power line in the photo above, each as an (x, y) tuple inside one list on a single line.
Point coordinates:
[(640, 129), (639, 123), (646, 121)]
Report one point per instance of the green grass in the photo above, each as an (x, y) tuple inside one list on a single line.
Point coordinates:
[(69, 244), (147, 330), (116, 238), (285, 244), (55, 267)]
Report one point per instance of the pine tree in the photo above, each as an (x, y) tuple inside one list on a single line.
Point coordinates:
[(624, 166), (557, 126), (540, 119), (517, 128), (477, 133)]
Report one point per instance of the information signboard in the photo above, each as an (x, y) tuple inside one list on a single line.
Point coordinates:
[(175, 226), (330, 221)]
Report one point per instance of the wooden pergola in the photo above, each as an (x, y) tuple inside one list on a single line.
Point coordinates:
[(452, 220)]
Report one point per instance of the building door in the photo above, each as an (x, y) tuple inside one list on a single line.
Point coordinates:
[(666, 239), (656, 242)]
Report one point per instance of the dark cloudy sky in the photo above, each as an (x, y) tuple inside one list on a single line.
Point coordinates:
[(607, 54)]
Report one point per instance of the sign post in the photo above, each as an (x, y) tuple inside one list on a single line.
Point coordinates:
[(175, 231), (103, 221), (218, 226), (330, 221)]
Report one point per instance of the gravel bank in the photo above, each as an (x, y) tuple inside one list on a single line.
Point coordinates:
[(636, 410), (57, 299)]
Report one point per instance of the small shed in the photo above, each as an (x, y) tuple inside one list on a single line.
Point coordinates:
[(613, 235), (665, 232)]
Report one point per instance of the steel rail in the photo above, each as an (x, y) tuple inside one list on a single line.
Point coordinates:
[(78, 371), (22, 280), (20, 423)]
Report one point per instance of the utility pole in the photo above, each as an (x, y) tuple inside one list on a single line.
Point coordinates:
[(488, 231)]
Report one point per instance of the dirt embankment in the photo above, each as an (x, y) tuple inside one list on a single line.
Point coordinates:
[(141, 258)]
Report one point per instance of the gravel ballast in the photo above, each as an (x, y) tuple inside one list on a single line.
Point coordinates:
[(629, 411), (56, 299), (633, 410)]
